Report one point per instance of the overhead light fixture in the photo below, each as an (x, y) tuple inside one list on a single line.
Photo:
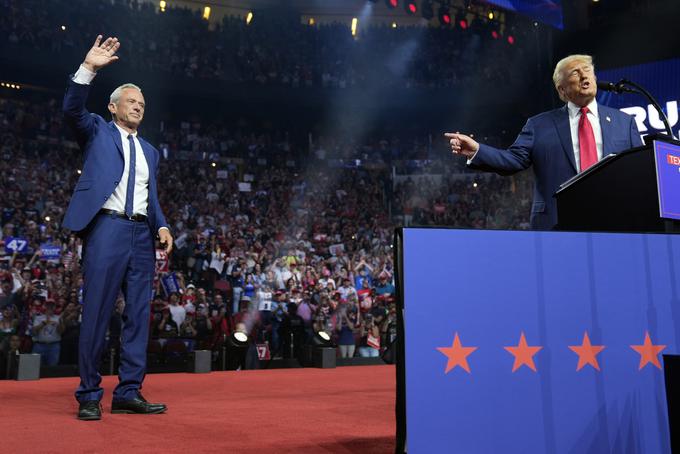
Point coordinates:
[(161, 5), (444, 16), (249, 17), (206, 13), (355, 24), (461, 20)]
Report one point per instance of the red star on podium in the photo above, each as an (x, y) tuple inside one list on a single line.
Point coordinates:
[(587, 353), (648, 352), (524, 354), (457, 355)]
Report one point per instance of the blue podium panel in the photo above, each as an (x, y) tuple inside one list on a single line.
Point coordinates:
[(531, 342)]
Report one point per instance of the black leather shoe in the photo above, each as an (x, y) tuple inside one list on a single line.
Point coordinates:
[(90, 410), (138, 405)]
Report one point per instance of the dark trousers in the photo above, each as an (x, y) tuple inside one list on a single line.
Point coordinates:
[(118, 254)]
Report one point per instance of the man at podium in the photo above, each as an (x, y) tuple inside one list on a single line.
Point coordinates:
[(558, 143)]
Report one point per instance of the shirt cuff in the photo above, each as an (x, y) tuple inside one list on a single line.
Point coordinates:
[(469, 161), (161, 228), (83, 76)]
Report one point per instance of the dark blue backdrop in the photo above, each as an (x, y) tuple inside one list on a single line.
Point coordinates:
[(488, 287), (661, 79)]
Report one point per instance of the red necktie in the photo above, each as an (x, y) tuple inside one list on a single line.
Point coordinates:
[(586, 141)]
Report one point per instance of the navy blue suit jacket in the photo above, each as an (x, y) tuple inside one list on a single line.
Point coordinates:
[(103, 163), (545, 143)]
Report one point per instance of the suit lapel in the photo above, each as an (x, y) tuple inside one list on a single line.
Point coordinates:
[(561, 118), (115, 134), (605, 127)]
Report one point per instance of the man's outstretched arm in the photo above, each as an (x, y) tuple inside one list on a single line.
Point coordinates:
[(100, 55)]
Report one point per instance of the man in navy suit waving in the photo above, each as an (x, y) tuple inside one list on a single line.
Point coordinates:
[(559, 143), (116, 211)]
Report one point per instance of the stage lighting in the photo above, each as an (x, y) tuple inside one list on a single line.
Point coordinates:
[(461, 20), (214, 164), (249, 17), (206, 13), (490, 15), (392, 3), (239, 338), (311, 21), (494, 34), (427, 9), (444, 16), (410, 7), (355, 24), (161, 5), (511, 40), (322, 339), (394, 25), (63, 28)]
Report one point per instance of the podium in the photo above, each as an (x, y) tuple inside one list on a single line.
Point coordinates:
[(637, 190), (536, 342)]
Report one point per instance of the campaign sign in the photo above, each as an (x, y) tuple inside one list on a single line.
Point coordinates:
[(668, 178), (537, 342), (170, 283), (162, 261), (16, 244), (50, 251)]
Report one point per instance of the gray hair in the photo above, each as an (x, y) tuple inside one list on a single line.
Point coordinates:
[(559, 68), (115, 95)]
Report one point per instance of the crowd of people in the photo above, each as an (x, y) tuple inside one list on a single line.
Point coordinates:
[(325, 56), (274, 250)]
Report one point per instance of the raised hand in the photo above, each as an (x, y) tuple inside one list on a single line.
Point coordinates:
[(462, 144), (101, 54)]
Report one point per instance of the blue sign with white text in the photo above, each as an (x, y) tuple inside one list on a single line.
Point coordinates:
[(668, 178), (16, 244), (50, 251), (530, 342)]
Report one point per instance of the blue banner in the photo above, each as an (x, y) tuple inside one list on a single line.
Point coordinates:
[(529, 342), (661, 79)]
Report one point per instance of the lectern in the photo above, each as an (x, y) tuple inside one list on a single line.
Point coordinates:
[(637, 190)]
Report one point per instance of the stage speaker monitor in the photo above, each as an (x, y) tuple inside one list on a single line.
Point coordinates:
[(324, 357), (200, 361), (27, 367)]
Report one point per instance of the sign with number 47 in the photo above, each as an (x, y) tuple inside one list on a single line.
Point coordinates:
[(15, 244)]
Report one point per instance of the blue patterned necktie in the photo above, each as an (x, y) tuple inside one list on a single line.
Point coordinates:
[(130, 194)]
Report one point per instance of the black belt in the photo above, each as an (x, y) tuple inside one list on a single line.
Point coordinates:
[(134, 217)]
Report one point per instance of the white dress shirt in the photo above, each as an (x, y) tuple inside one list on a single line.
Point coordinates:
[(116, 201), (594, 118)]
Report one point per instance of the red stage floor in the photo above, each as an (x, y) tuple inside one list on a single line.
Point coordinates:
[(343, 410)]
